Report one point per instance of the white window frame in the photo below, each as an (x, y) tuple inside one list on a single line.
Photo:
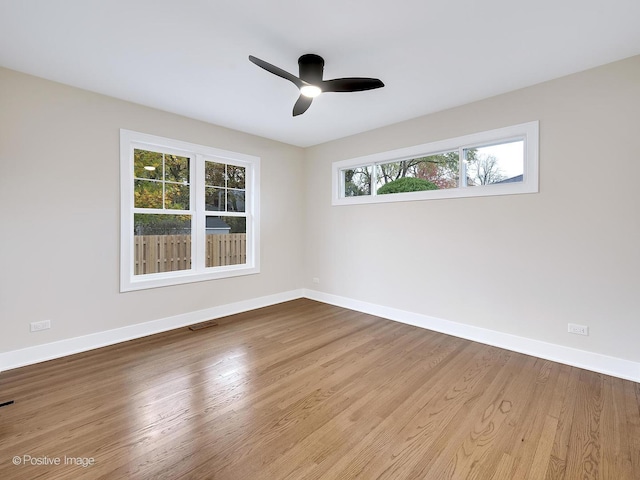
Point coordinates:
[(525, 131), (130, 140)]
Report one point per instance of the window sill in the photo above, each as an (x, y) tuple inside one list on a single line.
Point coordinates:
[(167, 279)]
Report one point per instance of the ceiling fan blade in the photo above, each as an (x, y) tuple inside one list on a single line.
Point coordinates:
[(277, 71), (354, 84), (301, 105)]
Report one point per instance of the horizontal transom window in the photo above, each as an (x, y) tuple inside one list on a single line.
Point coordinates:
[(496, 162)]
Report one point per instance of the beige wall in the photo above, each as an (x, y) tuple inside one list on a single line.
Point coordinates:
[(59, 207), (525, 265)]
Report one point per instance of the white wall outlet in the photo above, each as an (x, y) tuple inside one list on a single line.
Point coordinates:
[(316, 280), (578, 329), (43, 325)]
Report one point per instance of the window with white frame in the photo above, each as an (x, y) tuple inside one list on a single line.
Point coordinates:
[(496, 162), (188, 212)]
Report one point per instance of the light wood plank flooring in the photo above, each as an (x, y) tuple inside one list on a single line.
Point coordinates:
[(304, 390)]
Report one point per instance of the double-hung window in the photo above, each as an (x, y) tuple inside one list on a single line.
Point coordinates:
[(496, 162), (188, 212)]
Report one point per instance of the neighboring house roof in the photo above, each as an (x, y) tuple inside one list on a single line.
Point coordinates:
[(217, 223), (517, 178)]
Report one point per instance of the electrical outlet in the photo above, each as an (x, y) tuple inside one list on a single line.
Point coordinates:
[(578, 329), (316, 280), (43, 325)]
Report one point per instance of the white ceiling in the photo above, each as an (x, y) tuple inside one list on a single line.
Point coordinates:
[(190, 56)]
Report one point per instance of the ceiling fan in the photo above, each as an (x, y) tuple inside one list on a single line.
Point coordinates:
[(310, 80)]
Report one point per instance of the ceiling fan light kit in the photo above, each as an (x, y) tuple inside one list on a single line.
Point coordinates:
[(310, 83), (310, 91)]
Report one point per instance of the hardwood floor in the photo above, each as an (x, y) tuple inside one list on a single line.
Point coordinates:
[(304, 390)]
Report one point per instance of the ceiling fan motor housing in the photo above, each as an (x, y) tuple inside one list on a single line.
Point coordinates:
[(311, 68)]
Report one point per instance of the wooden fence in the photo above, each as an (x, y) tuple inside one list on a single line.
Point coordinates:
[(168, 253)]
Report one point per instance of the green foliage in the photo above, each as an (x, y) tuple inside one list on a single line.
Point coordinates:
[(151, 224), (152, 172), (160, 224), (440, 169), (237, 224), (407, 184), (357, 182)]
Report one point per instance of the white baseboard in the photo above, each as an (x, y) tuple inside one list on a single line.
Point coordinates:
[(62, 348), (596, 362), (616, 367)]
